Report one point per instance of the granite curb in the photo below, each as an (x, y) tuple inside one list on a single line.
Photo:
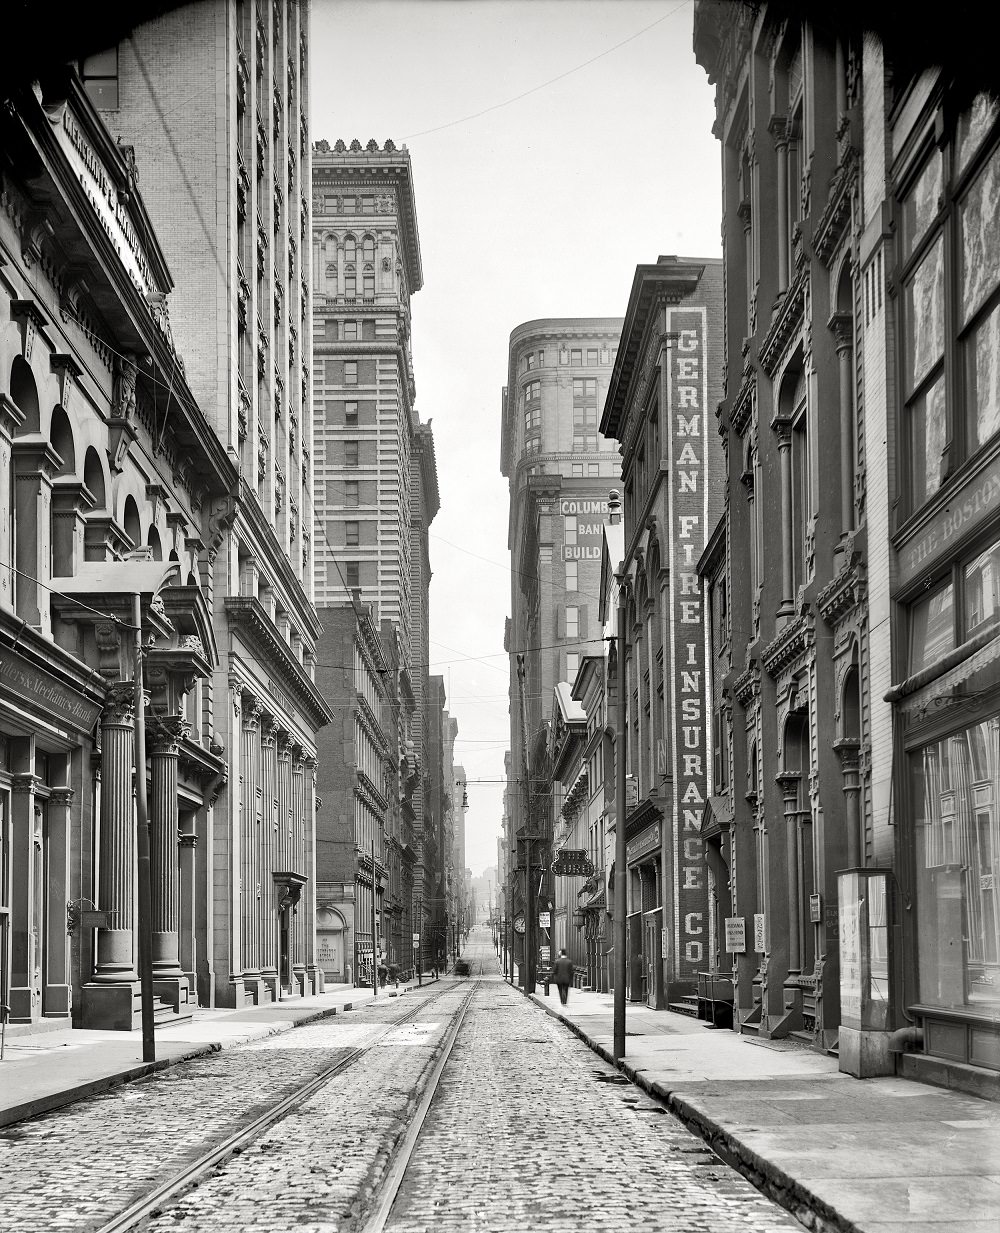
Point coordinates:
[(51, 1101), (808, 1208)]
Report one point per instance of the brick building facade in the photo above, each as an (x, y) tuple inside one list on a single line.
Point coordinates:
[(664, 384), (857, 648)]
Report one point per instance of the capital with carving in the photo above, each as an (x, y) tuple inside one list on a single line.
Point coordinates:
[(167, 733), (788, 782), (842, 327), (119, 704), (268, 732), (252, 710), (778, 127), (782, 430)]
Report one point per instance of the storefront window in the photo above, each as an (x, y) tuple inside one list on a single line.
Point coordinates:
[(955, 788), (950, 250), (932, 628), (982, 591)]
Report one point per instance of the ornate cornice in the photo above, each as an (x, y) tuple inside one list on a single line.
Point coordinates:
[(742, 408), (836, 215), (787, 647), (747, 684), (785, 325), (844, 593), (248, 615)]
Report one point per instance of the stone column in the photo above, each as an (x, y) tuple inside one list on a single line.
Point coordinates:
[(297, 846), (842, 325), (778, 128), (165, 736), (788, 782), (111, 998), (249, 828), (115, 945), (309, 868), (268, 842), (783, 433), (745, 212), (188, 885), (57, 997), (284, 855), (848, 751)]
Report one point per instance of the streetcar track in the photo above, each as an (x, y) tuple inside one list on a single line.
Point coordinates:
[(152, 1203), (392, 1181)]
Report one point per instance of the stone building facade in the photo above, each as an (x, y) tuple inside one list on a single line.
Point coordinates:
[(665, 382), (112, 479), (231, 202), (366, 267), (357, 782), (559, 468), (858, 648)]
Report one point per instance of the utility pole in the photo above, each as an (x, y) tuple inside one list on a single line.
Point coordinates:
[(144, 896), (530, 931), (621, 880), (374, 925)]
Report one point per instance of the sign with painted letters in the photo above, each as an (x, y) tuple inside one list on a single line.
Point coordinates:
[(583, 528), (759, 938), (687, 408), (736, 935)]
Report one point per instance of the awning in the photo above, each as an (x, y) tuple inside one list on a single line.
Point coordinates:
[(939, 691)]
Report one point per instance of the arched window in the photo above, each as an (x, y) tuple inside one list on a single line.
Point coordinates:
[(61, 437), (131, 522), (350, 248), (93, 478), (25, 393), (794, 415), (368, 248), (850, 704), (153, 541)]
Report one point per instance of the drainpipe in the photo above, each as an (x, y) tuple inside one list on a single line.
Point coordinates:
[(904, 1038)]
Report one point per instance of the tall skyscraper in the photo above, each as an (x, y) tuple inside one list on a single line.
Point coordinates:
[(375, 487), (366, 266), (215, 97), (560, 469)]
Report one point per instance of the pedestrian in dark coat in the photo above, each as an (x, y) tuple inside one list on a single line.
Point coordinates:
[(562, 974)]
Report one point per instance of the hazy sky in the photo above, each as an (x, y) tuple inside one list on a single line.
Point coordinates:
[(541, 207)]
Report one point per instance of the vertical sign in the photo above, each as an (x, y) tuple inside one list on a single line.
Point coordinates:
[(687, 399), (736, 935)]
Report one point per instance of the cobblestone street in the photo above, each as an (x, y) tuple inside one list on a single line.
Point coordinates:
[(75, 1169), (531, 1130), (521, 1132)]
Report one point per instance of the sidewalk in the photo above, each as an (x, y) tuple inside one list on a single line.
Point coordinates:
[(45, 1069), (875, 1155)]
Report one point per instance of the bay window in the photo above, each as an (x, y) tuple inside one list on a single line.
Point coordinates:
[(950, 281)]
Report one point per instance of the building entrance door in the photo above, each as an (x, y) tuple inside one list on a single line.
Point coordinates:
[(285, 951), (653, 954), (39, 886), (5, 928)]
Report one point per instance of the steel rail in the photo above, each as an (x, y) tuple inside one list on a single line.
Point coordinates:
[(194, 1172), (388, 1191)]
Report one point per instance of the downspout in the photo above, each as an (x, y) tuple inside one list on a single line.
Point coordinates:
[(904, 1039)]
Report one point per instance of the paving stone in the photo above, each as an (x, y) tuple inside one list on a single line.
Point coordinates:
[(524, 1135)]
